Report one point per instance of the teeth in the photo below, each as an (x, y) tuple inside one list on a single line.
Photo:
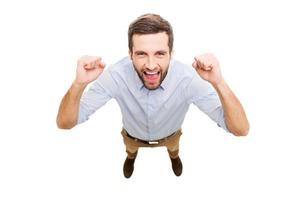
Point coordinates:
[(151, 73)]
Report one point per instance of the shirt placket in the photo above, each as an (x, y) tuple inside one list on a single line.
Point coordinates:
[(151, 114)]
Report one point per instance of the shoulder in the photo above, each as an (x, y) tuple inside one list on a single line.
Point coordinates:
[(194, 85), (113, 74), (181, 71), (120, 67), (118, 71), (120, 75)]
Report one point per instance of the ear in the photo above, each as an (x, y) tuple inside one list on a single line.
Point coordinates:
[(130, 54), (171, 54)]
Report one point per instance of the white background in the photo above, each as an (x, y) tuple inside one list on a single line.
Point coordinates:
[(257, 44)]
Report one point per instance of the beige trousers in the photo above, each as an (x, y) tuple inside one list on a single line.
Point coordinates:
[(171, 143)]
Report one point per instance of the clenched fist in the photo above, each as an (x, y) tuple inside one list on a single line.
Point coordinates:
[(207, 66), (88, 69)]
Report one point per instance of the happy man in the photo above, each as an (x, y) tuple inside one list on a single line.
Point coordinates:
[(153, 91)]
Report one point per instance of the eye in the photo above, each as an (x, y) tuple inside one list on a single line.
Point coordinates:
[(161, 53), (140, 53)]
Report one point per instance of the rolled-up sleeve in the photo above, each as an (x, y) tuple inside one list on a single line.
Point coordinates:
[(202, 94), (100, 92)]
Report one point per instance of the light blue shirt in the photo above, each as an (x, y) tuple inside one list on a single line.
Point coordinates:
[(152, 114)]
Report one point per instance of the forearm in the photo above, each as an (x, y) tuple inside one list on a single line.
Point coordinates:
[(235, 116), (69, 106)]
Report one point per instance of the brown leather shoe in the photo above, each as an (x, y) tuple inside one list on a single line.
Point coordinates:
[(176, 166), (128, 167)]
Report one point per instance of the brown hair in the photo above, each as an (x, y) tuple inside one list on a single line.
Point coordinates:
[(149, 24)]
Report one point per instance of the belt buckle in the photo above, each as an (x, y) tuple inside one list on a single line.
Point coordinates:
[(153, 142)]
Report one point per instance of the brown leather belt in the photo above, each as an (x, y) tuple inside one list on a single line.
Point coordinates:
[(152, 142)]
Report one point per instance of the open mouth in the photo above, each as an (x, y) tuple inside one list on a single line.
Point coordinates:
[(151, 77)]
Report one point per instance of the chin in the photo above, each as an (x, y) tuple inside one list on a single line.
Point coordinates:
[(151, 87)]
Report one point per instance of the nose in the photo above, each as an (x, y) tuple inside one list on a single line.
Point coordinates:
[(151, 64)]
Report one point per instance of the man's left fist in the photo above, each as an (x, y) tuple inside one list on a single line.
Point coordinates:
[(207, 66)]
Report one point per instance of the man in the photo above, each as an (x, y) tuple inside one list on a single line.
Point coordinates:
[(153, 91)]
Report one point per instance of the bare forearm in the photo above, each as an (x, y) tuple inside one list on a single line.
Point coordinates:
[(235, 116), (69, 106)]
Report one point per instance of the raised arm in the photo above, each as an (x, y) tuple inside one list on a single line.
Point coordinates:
[(88, 69), (207, 66)]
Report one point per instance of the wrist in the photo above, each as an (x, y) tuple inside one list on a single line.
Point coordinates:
[(220, 84), (78, 85)]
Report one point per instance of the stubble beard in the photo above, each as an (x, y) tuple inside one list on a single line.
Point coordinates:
[(162, 77)]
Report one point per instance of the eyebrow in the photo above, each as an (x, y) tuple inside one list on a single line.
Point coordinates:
[(159, 51), (137, 52)]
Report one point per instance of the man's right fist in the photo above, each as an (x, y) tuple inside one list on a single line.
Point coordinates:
[(88, 69)]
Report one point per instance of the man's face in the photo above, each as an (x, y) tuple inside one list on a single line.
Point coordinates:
[(151, 57)]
